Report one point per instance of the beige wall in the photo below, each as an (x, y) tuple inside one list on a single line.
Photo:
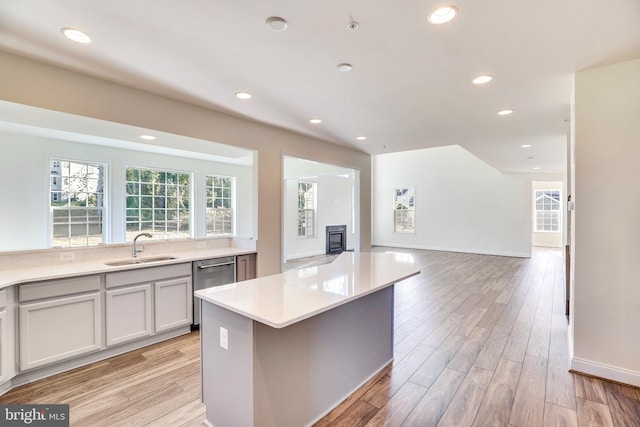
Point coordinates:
[(33, 83), (607, 222)]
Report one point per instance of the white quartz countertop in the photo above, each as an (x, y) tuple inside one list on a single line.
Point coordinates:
[(15, 276), (283, 299)]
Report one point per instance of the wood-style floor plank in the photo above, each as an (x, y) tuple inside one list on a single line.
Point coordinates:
[(593, 414), (431, 407), (479, 340), (528, 404), (498, 400), (558, 416), (399, 406), (466, 402)]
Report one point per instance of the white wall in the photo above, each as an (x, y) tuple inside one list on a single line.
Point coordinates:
[(334, 207), (24, 170), (462, 204), (607, 222), (37, 84), (547, 238)]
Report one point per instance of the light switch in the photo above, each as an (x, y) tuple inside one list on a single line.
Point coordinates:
[(224, 338)]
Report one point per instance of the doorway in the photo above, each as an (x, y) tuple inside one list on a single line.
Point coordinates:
[(316, 196)]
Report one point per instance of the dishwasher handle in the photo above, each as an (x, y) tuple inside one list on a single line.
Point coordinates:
[(204, 267)]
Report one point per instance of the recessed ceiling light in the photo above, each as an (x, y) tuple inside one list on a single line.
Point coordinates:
[(505, 112), (480, 80), (525, 145), (344, 67), (443, 14), (361, 138), (243, 95), (536, 168), (148, 137), (76, 35), (277, 23), (315, 121)]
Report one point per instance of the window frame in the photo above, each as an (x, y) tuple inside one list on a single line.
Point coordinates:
[(308, 213), (210, 189), (149, 205), (536, 211), (410, 211), (55, 196)]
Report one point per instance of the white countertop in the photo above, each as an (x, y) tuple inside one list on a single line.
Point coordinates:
[(15, 276), (283, 299)]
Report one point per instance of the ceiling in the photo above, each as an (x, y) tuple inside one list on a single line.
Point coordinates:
[(410, 86)]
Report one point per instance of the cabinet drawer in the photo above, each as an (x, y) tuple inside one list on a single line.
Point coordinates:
[(148, 274), (57, 288)]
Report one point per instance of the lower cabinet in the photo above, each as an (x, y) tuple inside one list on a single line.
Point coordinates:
[(128, 314), (58, 329), (146, 301), (4, 345), (245, 267), (65, 318), (173, 303)]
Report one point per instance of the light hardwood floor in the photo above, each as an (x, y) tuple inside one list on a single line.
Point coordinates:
[(480, 341)]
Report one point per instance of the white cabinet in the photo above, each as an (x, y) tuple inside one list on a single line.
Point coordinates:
[(147, 301), (5, 339), (58, 329), (128, 313), (173, 303)]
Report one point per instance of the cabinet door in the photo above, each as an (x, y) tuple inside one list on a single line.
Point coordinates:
[(128, 314), (58, 329), (4, 346), (246, 267), (173, 303)]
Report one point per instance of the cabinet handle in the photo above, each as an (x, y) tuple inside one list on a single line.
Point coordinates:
[(202, 267)]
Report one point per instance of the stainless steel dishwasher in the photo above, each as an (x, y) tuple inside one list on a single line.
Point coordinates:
[(208, 273)]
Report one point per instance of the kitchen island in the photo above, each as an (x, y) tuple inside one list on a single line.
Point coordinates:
[(283, 350)]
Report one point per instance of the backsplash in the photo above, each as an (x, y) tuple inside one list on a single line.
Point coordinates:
[(32, 258)]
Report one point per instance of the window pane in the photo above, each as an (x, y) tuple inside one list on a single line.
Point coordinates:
[(159, 197), (404, 205), (547, 210), (74, 188)]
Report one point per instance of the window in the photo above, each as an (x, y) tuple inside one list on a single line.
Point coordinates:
[(158, 202), (77, 203), (220, 201), (306, 208), (547, 206), (403, 210)]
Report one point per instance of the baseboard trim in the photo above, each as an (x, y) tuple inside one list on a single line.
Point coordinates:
[(466, 251), (606, 372)]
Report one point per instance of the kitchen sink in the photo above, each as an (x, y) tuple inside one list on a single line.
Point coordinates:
[(132, 261)]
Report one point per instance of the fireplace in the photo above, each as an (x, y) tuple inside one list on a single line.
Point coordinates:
[(336, 239)]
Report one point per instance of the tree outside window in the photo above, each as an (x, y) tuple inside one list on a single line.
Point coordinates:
[(403, 210), (220, 202), (158, 202), (76, 195), (306, 208)]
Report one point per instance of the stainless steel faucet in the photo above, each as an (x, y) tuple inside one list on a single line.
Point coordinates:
[(135, 249)]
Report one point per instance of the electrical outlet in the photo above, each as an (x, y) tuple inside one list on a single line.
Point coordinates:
[(202, 245), (67, 256), (224, 338)]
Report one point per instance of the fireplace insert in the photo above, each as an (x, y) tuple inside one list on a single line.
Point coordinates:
[(336, 239)]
